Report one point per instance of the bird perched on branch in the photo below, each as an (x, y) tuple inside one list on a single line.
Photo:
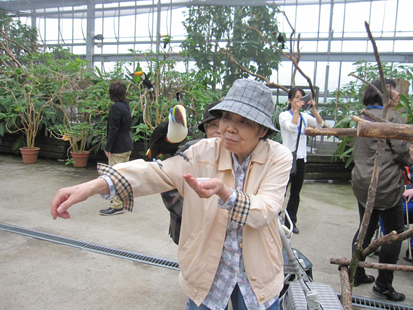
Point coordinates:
[(145, 78), (281, 40), (167, 136), (166, 40)]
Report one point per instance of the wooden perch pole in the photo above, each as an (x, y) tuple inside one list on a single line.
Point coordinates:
[(345, 299), (367, 130), (345, 262)]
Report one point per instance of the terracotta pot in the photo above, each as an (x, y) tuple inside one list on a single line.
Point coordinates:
[(29, 155), (80, 159)]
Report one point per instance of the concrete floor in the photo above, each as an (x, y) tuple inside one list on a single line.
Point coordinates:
[(36, 274)]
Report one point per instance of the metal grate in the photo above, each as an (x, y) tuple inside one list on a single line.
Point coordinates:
[(92, 247), (368, 303)]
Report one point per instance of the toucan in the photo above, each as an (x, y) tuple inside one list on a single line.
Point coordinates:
[(166, 40), (167, 136), (281, 40), (145, 81)]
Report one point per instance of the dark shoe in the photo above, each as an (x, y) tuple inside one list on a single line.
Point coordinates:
[(408, 258), (111, 211), (390, 294), (295, 230), (363, 280)]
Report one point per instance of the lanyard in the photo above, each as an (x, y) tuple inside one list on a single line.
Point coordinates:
[(374, 107), (299, 127)]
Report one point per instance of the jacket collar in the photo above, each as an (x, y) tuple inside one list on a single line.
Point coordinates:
[(259, 155)]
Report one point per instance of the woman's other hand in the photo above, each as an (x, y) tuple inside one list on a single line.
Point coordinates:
[(66, 197), (408, 194), (208, 188), (312, 103)]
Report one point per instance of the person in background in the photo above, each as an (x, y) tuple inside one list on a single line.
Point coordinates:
[(390, 187), (291, 124), (229, 247), (118, 142), (172, 200)]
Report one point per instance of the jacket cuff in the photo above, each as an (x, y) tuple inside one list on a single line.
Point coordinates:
[(123, 188), (239, 213)]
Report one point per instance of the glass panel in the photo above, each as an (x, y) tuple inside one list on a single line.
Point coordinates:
[(354, 23), (126, 32), (79, 50), (66, 30), (79, 30), (333, 77), (325, 20), (320, 75), (346, 69), (354, 46), (123, 48), (404, 46), (284, 73), (382, 17), (338, 16)]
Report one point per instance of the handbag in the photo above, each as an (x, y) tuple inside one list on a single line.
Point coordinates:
[(293, 170)]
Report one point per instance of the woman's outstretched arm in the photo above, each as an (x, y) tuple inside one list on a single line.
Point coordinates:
[(68, 196)]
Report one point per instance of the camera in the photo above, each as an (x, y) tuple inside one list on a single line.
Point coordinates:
[(306, 99)]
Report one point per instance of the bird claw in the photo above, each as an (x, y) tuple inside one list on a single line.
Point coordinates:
[(183, 155)]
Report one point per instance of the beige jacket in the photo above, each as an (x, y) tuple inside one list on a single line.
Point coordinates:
[(204, 223)]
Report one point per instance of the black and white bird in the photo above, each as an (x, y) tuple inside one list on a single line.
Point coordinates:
[(167, 136), (145, 78)]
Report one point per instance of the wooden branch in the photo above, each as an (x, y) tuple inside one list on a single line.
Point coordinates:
[(275, 85), (358, 119), (337, 132), (290, 57), (345, 262), (373, 117), (10, 54), (368, 130), (392, 237), (385, 130), (345, 299), (368, 83), (383, 82), (18, 44), (228, 54)]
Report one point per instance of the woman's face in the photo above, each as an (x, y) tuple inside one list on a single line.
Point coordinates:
[(212, 129), (296, 100), (239, 134)]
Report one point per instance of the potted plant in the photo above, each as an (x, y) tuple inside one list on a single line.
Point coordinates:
[(81, 128), (22, 95)]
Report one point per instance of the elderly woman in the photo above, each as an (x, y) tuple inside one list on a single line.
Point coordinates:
[(229, 245)]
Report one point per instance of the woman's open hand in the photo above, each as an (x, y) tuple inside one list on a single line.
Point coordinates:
[(208, 188)]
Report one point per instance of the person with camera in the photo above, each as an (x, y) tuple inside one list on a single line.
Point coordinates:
[(293, 123)]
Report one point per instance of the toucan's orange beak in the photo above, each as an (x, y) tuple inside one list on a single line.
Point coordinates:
[(137, 73)]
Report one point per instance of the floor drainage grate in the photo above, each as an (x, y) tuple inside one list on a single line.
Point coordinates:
[(92, 247), (368, 303)]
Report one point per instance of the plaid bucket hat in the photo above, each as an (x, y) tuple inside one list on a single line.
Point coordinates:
[(250, 99)]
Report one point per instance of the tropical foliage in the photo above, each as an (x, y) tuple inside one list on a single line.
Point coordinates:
[(210, 28)]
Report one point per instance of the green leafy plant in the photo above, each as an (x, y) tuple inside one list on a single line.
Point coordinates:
[(407, 104), (24, 101), (209, 28)]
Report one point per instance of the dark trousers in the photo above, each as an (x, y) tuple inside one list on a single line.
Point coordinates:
[(389, 253), (296, 183)]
